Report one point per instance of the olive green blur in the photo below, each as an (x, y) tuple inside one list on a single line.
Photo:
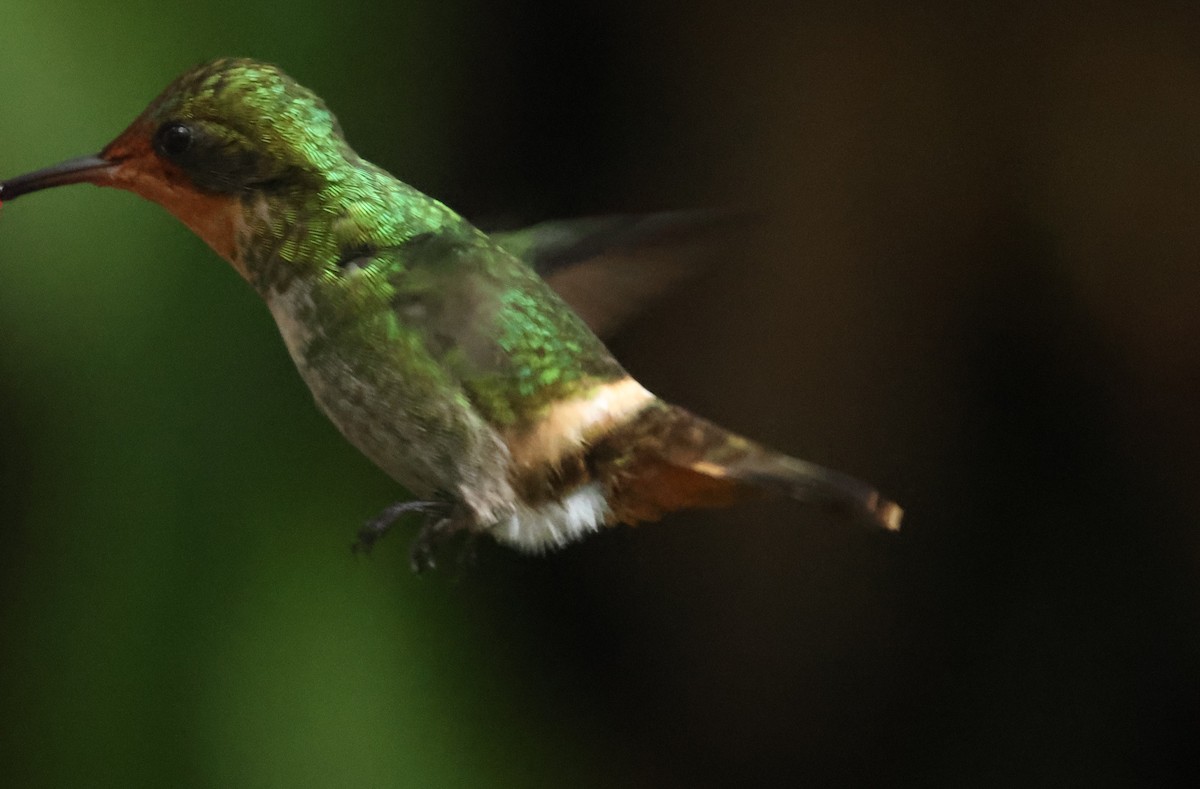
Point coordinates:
[(974, 282)]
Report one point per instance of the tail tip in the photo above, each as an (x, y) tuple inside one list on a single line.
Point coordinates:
[(887, 514)]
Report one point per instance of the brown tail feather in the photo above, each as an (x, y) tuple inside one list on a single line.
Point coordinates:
[(666, 459)]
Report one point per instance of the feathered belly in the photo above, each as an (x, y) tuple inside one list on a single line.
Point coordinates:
[(415, 438)]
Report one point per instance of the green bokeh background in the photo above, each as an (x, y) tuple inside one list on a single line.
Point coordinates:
[(974, 283)]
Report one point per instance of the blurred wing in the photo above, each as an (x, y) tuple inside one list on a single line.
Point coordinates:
[(608, 269)]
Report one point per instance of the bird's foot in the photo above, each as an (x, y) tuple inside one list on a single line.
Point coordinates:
[(432, 539), (434, 512)]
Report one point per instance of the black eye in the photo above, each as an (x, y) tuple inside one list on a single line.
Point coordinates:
[(173, 139)]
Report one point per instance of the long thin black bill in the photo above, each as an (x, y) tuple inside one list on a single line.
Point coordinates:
[(72, 171)]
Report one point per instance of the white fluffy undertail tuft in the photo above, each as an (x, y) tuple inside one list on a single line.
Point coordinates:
[(553, 524)]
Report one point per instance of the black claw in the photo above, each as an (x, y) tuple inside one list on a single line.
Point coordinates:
[(378, 526), (423, 554), (440, 526), (421, 557), (433, 535)]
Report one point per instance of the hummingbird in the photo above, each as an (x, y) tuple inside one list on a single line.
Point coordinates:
[(441, 352)]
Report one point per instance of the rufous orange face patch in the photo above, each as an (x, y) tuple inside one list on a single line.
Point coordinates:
[(142, 171)]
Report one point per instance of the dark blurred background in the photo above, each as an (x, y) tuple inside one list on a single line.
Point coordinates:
[(976, 283)]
